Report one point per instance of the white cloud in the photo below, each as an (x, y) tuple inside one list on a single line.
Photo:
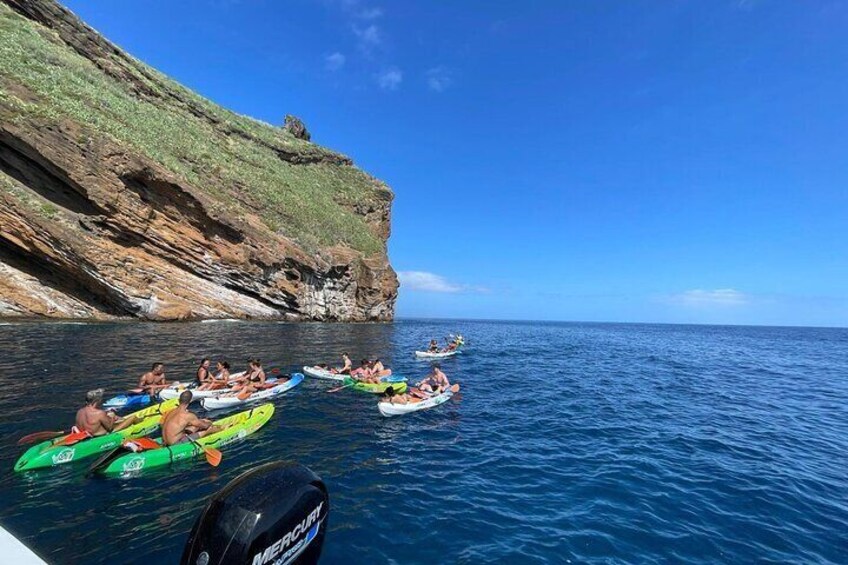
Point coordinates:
[(369, 13), (390, 78), (369, 36), (430, 282), (723, 297), (438, 79), (334, 61)]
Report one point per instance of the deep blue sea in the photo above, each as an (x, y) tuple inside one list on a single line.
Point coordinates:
[(572, 442)]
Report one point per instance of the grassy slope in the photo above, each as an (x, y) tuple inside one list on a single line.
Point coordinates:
[(303, 202)]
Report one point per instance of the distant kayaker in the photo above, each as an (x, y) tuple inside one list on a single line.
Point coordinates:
[(347, 365), (202, 376), (154, 380), (397, 398), (363, 372), (181, 425), (435, 382), (93, 419), (433, 347), (380, 370)]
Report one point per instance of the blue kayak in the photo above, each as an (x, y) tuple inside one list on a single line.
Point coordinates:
[(127, 401)]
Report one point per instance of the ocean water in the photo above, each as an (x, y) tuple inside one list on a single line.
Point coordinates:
[(572, 443)]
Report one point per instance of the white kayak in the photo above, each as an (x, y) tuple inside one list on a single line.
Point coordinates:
[(176, 389), (436, 355), (388, 409), (227, 401), (319, 373)]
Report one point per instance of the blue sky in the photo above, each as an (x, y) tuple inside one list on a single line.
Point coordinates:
[(613, 161)]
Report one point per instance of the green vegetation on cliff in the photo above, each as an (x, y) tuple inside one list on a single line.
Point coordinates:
[(304, 191)]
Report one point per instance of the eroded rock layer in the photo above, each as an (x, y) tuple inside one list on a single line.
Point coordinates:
[(105, 211)]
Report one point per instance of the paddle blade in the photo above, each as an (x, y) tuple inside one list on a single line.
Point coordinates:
[(145, 443), (73, 438), (38, 436), (213, 456), (104, 461)]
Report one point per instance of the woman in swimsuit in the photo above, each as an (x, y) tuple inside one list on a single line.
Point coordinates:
[(220, 379), (254, 379)]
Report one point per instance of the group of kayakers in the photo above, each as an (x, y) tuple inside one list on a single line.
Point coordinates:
[(434, 383), (451, 345), (369, 370), (180, 425)]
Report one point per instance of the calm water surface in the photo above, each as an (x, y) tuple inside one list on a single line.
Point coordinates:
[(573, 442)]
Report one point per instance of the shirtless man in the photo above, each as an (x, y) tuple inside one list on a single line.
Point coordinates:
[(202, 376), (154, 380), (181, 425), (435, 382), (433, 347), (348, 365), (93, 419)]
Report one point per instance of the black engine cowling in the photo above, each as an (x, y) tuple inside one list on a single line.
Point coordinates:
[(275, 514)]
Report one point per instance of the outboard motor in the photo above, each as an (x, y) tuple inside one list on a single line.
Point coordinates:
[(275, 514)]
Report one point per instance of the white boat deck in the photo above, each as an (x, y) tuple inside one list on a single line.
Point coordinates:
[(13, 551)]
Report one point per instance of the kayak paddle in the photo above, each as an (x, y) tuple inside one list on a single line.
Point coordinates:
[(337, 389), (39, 436), (213, 456), (105, 460), (73, 438)]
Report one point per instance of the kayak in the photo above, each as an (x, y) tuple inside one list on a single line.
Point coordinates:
[(176, 389), (436, 355), (128, 400), (389, 409), (318, 373), (49, 453), (236, 426), (226, 401), (397, 383)]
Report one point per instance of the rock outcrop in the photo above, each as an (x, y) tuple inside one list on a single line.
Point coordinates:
[(296, 127), (123, 194)]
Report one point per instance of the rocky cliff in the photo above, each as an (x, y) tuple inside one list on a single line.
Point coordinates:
[(123, 194)]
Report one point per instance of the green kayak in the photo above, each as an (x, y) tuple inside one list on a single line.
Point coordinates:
[(237, 426), (51, 452), (397, 383)]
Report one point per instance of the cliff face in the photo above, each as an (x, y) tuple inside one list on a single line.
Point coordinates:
[(123, 194)]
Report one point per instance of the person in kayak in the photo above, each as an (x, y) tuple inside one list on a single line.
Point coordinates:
[(433, 347), (435, 382), (346, 369), (181, 425), (379, 370), (253, 381), (153, 381), (93, 419), (393, 397), (202, 376), (365, 373), (220, 379)]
